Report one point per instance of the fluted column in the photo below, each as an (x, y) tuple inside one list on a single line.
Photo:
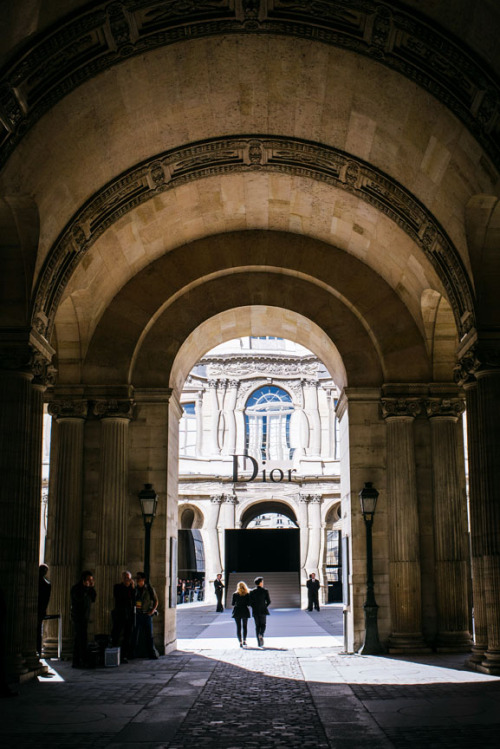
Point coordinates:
[(403, 524), (314, 502), (450, 528), (64, 534), (215, 416), (230, 418), (466, 378), (212, 523), (23, 372), (111, 541), (199, 423), (312, 411), (488, 392)]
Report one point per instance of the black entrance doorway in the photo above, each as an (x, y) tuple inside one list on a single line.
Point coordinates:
[(274, 554)]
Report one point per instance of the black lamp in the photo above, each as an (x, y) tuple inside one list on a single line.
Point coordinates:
[(368, 498), (149, 501)]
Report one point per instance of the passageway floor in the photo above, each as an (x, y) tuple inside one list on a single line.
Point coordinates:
[(300, 690)]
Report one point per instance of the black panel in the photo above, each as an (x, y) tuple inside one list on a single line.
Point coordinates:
[(269, 550)]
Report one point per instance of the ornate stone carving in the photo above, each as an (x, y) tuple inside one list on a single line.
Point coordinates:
[(217, 499), (24, 357), (106, 409), (68, 409), (394, 407), (55, 63), (311, 498), (44, 372), (223, 155), (445, 407)]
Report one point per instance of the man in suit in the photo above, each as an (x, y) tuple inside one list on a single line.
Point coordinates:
[(259, 601), (219, 587), (312, 592), (123, 615)]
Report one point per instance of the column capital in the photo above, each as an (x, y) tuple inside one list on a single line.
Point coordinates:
[(25, 358), (217, 499), (68, 409), (444, 407), (231, 499), (400, 407), (482, 357), (311, 498), (111, 408)]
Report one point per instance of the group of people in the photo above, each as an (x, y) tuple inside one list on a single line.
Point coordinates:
[(135, 604), (190, 590)]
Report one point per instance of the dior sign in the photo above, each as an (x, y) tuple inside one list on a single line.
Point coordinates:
[(276, 475)]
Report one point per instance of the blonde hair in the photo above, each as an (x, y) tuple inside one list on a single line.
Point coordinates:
[(242, 589)]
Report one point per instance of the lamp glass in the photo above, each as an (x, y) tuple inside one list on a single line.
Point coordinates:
[(368, 498), (148, 499)]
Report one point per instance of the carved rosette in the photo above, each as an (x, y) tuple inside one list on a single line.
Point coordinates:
[(114, 409), (68, 409), (401, 407), (444, 407)]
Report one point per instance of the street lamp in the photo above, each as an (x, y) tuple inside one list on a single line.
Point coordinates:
[(149, 500), (368, 497)]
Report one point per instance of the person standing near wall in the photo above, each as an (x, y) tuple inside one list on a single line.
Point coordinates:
[(44, 591), (123, 615), (312, 592), (219, 589), (146, 604), (83, 595)]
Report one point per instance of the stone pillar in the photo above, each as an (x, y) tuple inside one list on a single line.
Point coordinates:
[(199, 423), (480, 631), (215, 559), (314, 502), (312, 411), (450, 528), (215, 415), (403, 524), (111, 541), (64, 535), (230, 418), (23, 372), (488, 393)]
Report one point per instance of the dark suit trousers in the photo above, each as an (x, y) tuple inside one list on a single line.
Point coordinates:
[(260, 624)]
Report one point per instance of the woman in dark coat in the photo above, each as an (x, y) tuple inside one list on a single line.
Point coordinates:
[(241, 612)]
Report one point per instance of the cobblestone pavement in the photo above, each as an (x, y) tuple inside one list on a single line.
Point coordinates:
[(293, 693)]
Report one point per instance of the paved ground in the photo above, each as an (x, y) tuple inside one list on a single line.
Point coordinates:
[(299, 691)]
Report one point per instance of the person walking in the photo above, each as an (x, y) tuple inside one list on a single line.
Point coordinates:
[(219, 588), (241, 612), (146, 604), (259, 601), (44, 591), (83, 595), (123, 615), (312, 592)]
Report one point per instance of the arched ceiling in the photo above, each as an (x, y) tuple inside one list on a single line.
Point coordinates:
[(107, 117)]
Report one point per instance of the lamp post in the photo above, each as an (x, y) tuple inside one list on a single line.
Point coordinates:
[(368, 497), (149, 500)]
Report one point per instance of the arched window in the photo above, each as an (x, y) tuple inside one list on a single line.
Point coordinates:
[(267, 423), (187, 430)]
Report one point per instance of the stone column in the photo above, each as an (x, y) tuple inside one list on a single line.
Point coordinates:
[(199, 423), (230, 418), (403, 524), (480, 631), (111, 541), (212, 524), (64, 535), (23, 372), (312, 411), (450, 528), (488, 393), (314, 502), (214, 421)]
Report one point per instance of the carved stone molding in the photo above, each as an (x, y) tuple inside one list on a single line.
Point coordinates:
[(217, 499), (480, 358), (261, 364), (107, 409), (26, 359), (82, 45), (311, 498), (449, 407), (401, 407), (68, 409), (224, 155)]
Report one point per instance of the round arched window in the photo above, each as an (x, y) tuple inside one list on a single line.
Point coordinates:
[(267, 421)]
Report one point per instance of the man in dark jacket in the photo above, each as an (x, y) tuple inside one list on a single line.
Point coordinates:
[(123, 615), (82, 596), (44, 591), (219, 588), (259, 601), (312, 592)]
